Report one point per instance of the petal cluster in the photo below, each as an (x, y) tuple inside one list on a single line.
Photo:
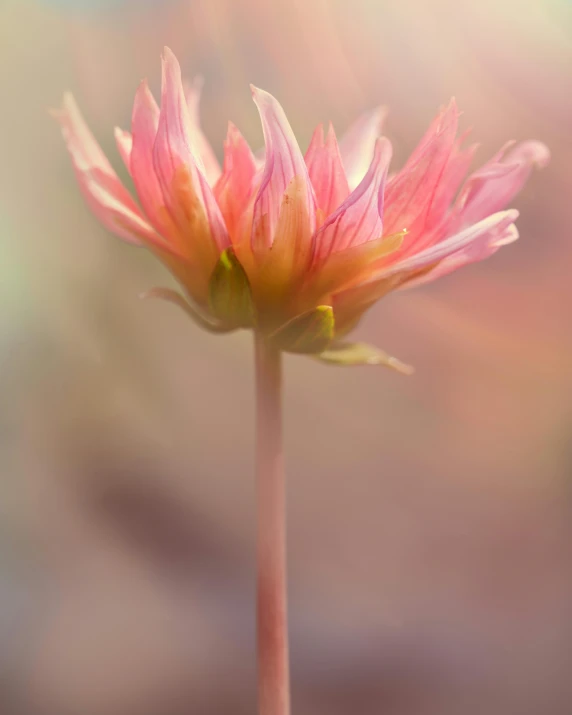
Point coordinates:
[(294, 245)]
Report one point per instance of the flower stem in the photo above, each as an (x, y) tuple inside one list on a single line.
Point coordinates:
[(271, 609)]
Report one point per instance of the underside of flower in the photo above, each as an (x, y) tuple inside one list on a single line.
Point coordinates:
[(296, 247)]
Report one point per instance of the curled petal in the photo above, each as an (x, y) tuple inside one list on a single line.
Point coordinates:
[(105, 194), (234, 188), (492, 230), (358, 143), (284, 162), (411, 192), (208, 157), (474, 252), (186, 192), (326, 171), (495, 184), (360, 218)]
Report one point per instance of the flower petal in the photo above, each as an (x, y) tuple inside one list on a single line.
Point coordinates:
[(453, 174), (235, 186), (489, 231), (494, 185), (326, 171), (351, 303), (411, 192), (358, 143), (284, 162), (360, 218), (144, 124), (350, 266), (193, 93), (124, 142), (105, 194), (474, 252), (186, 192)]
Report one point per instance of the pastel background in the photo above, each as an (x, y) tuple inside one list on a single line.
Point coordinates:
[(430, 538)]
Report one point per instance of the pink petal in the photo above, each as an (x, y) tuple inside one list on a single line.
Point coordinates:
[(124, 142), (326, 171), (494, 185), (452, 177), (107, 197), (357, 144), (176, 163), (360, 218), (284, 162), (204, 149), (411, 192), (144, 124), (476, 251), (491, 230), (234, 188)]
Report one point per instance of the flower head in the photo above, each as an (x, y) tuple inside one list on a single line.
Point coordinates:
[(295, 246)]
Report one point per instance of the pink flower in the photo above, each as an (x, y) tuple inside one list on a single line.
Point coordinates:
[(296, 247)]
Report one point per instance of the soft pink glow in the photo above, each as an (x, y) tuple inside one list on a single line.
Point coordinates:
[(297, 221)]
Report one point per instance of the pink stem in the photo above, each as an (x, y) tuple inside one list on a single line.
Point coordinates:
[(271, 611)]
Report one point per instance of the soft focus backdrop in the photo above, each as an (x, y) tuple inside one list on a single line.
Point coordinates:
[(430, 518)]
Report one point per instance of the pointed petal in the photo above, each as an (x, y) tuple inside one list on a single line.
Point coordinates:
[(193, 93), (144, 124), (453, 174), (124, 142), (357, 144), (326, 171), (284, 162), (234, 188), (494, 185), (105, 194), (360, 218), (411, 192), (186, 192)]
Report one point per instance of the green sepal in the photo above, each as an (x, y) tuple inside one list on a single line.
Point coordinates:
[(171, 296), (230, 298), (307, 333), (346, 354)]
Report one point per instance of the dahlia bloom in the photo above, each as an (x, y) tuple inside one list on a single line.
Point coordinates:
[(296, 247)]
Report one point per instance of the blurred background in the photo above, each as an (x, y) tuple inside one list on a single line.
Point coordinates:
[(430, 529)]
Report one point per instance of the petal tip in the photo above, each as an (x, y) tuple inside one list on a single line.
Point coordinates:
[(539, 154), (382, 150)]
